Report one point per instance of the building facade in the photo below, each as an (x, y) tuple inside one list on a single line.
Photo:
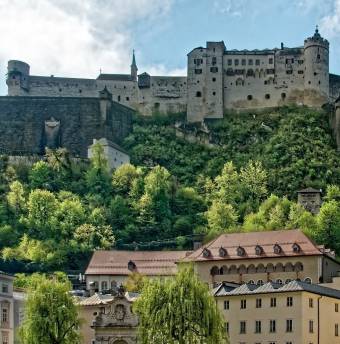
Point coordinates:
[(218, 80), (261, 257), (294, 313), (109, 269), (11, 309)]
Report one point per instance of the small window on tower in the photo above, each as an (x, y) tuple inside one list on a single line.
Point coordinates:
[(118, 98), (318, 56), (249, 97), (271, 60), (230, 62), (198, 94)]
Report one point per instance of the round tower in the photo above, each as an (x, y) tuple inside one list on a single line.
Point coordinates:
[(316, 56), (17, 77)]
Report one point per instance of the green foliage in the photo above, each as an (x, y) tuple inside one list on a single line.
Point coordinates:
[(50, 315), (179, 310)]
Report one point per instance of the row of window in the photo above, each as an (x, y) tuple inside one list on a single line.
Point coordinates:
[(272, 327), (243, 303), (249, 62), (249, 97)]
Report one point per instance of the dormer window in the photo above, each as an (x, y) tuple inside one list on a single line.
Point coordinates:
[(131, 265), (277, 249), (222, 252), (258, 250), (206, 253), (241, 251), (296, 248)]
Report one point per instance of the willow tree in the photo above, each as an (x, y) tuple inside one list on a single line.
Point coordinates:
[(179, 310), (51, 316)]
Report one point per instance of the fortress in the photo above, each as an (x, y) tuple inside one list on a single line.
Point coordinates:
[(218, 80)]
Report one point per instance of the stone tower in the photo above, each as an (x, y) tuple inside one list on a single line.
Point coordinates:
[(337, 123), (17, 78), (134, 69), (316, 79)]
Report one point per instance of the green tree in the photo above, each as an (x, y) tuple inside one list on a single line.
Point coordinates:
[(41, 175), (179, 310), (328, 232), (16, 198), (123, 178), (51, 316)]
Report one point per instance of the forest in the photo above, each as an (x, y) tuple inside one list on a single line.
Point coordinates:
[(54, 213)]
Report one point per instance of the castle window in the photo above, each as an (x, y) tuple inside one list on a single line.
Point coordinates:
[(309, 82), (270, 71), (214, 60), (300, 62), (318, 57), (157, 105), (265, 82), (230, 72), (198, 81), (271, 60), (236, 62), (315, 73), (257, 62), (124, 86), (213, 79), (267, 96), (198, 94), (80, 91), (319, 82), (214, 93), (118, 98), (250, 62), (127, 98), (249, 97), (198, 71), (250, 72), (283, 96), (290, 71), (230, 62), (243, 62), (60, 89), (213, 69), (300, 71)]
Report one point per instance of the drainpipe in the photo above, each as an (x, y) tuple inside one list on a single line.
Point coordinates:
[(319, 319)]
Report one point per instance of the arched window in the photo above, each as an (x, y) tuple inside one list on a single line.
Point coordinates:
[(279, 281), (260, 268), (104, 285), (113, 284), (298, 267), (260, 282), (251, 282), (233, 269), (214, 271), (224, 270), (131, 265), (289, 267), (206, 253), (242, 269), (270, 267), (279, 267), (283, 96), (198, 94), (288, 280), (308, 280), (251, 269)]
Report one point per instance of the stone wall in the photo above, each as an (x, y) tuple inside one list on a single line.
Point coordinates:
[(22, 123)]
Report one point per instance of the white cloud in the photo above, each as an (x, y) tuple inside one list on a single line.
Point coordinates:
[(330, 24), (74, 37), (233, 8)]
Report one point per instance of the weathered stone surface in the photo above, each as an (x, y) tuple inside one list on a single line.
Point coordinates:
[(22, 123)]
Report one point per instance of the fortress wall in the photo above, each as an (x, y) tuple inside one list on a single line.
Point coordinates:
[(261, 90), (22, 122), (165, 95)]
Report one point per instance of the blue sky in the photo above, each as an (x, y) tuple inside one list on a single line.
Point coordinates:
[(78, 37)]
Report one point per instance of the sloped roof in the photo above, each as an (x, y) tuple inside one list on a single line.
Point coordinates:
[(115, 77), (270, 287), (248, 241), (148, 263), (103, 299)]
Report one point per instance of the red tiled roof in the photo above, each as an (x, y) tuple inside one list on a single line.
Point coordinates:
[(248, 241), (148, 263)]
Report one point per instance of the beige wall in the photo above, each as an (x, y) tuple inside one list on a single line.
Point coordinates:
[(300, 313), (311, 269), (86, 315)]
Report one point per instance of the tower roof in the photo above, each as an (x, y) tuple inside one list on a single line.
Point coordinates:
[(133, 64)]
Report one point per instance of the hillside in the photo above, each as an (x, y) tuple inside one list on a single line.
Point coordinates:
[(294, 144), (53, 215)]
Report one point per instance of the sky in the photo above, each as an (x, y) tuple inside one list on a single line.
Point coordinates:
[(78, 38)]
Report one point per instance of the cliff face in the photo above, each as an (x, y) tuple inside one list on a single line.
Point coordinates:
[(26, 123)]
